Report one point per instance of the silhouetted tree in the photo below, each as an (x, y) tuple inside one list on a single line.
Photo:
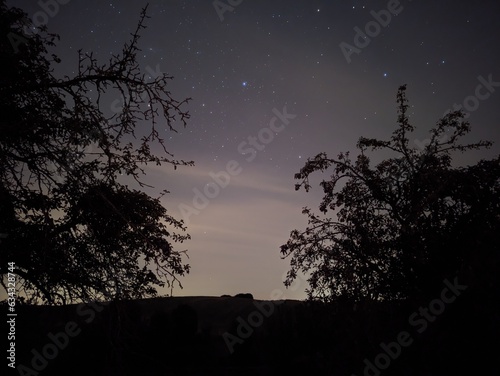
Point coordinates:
[(403, 225), (73, 228)]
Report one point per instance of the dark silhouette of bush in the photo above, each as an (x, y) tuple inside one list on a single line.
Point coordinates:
[(244, 296), (404, 225)]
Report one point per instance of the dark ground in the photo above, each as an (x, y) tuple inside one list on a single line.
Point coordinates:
[(195, 336)]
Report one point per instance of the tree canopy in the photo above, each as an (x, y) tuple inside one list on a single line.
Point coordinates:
[(70, 224), (403, 226)]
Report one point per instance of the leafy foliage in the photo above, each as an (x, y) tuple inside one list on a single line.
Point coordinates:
[(403, 225), (74, 230)]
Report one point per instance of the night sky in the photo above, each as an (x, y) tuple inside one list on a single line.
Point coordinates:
[(245, 65)]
